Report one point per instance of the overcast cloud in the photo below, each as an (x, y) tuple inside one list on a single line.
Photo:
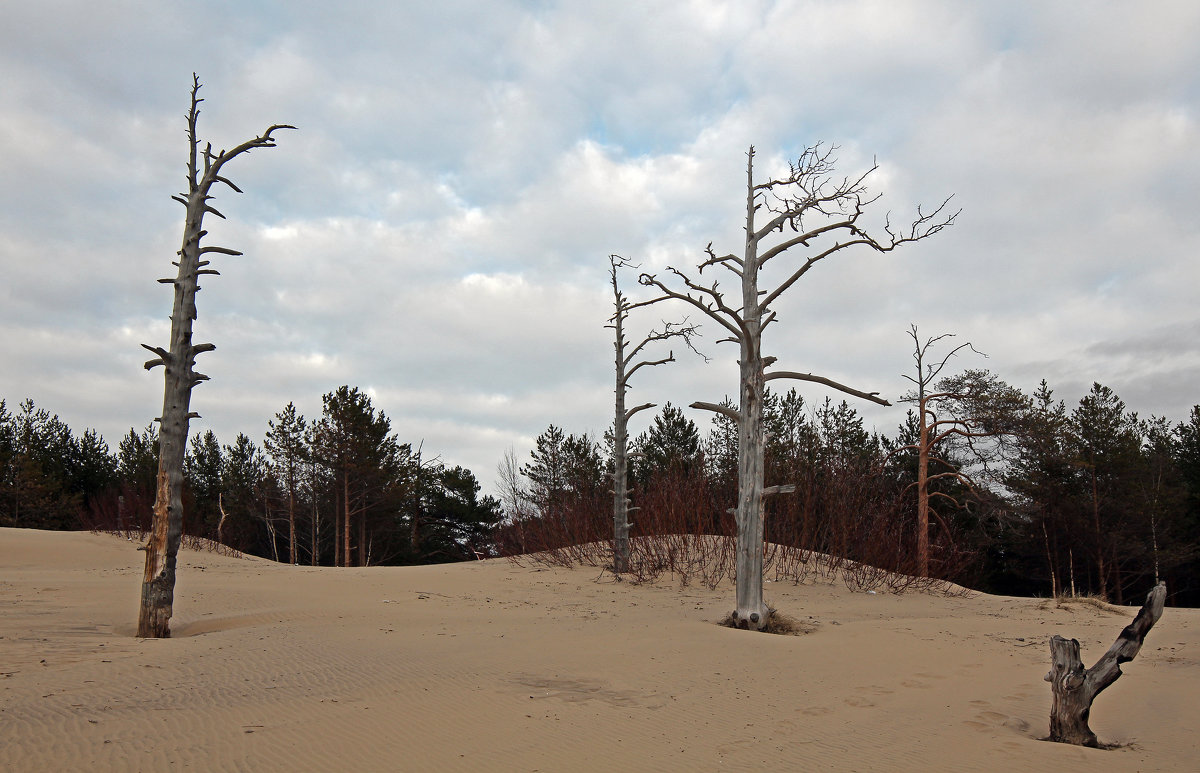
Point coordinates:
[(437, 230)]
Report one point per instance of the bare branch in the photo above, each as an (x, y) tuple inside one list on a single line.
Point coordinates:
[(629, 413), (714, 309), (872, 396), (221, 250), (649, 364), (724, 410), (218, 178), (725, 261)]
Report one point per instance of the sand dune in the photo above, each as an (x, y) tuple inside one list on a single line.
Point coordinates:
[(490, 666)]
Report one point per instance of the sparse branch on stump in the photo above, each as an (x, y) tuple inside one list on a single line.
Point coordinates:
[(1074, 688), (823, 214), (162, 546)]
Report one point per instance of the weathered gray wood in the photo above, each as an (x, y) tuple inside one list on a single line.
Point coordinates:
[(808, 192), (1074, 689), (162, 546)]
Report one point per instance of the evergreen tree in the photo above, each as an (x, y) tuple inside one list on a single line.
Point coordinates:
[(203, 468), (366, 466), (547, 474), (243, 474), (38, 482), (459, 524), (1105, 442), (1186, 454), (670, 446), (1037, 554), (93, 468), (285, 445)]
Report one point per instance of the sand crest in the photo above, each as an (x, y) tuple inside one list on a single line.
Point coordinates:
[(491, 666)]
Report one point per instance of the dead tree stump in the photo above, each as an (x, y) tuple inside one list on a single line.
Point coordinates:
[(1074, 688)]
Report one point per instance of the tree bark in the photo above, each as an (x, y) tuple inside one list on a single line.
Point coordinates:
[(620, 458), (162, 546), (923, 489), (751, 611), (1074, 689)]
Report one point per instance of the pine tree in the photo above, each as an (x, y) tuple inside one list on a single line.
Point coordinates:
[(285, 445), (1105, 443)]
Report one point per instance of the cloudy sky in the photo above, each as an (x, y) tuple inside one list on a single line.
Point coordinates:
[(436, 232)]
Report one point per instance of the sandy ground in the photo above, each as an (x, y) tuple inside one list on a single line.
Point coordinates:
[(491, 666)]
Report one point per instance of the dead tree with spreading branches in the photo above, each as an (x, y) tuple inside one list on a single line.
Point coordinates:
[(162, 546), (808, 208), (628, 363)]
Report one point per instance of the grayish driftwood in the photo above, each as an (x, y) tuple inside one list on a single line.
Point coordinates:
[(162, 546), (1074, 688), (822, 213)]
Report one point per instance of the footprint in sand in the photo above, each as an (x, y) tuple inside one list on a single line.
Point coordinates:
[(814, 711), (989, 720)]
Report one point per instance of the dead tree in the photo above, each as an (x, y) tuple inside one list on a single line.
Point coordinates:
[(823, 215), (162, 546), (1074, 688), (964, 410), (627, 363)]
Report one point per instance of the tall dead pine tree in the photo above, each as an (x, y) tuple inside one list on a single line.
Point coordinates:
[(627, 363), (162, 547), (823, 216)]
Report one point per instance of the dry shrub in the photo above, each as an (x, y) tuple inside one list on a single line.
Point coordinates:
[(845, 527), (187, 541), (1094, 601)]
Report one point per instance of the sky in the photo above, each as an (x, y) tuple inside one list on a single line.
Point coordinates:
[(437, 231)]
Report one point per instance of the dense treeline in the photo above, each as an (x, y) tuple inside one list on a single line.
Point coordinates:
[(1087, 500), (339, 490)]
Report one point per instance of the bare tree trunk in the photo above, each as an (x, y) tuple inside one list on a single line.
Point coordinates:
[(315, 544), (346, 518), (620, 466), (750, 607), (162, 546), (221, 521), (363, 559), (1074, 689), (751, 466), (272, 534), (292, 524), (414, 530), (1050, 563), (1100, 567), (625, 368), (923, 491), (337, 528)]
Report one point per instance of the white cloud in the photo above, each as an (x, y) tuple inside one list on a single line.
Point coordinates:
[(437, 230)]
